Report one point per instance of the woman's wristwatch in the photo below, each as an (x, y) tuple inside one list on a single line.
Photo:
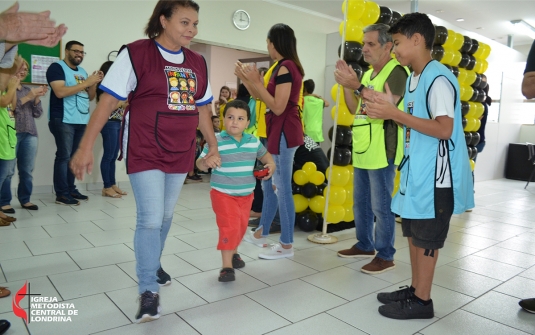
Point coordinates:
[(358, 91)]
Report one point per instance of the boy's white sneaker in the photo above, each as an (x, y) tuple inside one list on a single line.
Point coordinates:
[(276, 252), (259, 242)]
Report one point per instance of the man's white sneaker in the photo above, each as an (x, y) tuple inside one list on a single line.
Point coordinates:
[(259, 242), (276, 252)]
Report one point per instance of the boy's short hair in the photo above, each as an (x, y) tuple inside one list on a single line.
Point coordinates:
[(237, 104), (415, 23), (309, 86), (215, 117)]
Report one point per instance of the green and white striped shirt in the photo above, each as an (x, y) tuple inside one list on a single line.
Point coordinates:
[(235, 176)]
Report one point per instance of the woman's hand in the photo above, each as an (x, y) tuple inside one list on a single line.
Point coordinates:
[(13, 83), (81, 162)]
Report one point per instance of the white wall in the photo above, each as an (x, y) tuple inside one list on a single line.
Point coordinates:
[(104, 26)]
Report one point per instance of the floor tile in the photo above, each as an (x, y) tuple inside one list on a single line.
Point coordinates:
[(173, 265), (172, 246), (518, 244), (508, 256), (170, 324), (198, 225), (321, 259), (57, 244), (110, 237), (463, 281), (128, 222), (320, 324), (518, 287), (17, 324), (38, 266), (40, 220), (487, 267), (403, 255), (273, 272), (206, 259), (456, 251), (66, 229), (208, 319), (471, 240), (529, 273), (202, 240), (100, 256), (401, 272), (14, 250), (22, 234), (499, 235)]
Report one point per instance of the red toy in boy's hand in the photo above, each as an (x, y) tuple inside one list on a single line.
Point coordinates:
[(261, 172)]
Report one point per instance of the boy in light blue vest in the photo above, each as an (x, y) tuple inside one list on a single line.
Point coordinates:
[(435, 172)]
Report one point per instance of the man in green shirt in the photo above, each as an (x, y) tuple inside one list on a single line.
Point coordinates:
[(313, 111)]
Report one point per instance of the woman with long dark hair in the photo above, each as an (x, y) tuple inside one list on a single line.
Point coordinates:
[(281, 95), (158, 133)]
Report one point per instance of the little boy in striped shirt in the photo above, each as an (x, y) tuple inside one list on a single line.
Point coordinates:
[(233, 182)]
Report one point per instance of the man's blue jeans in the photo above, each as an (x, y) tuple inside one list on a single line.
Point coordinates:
[(373, 196), (156, 195), (26, 150), (110, 141), (6, 171), (282, 197), (67, 138)]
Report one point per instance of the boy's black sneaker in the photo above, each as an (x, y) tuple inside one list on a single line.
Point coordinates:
[(390, 297), (164, 278), (77, 195), (226, 275), (407, 309), (237, 262), (149, 307), (66, 200)]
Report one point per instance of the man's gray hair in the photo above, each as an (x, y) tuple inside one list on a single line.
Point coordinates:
[(384, 37)]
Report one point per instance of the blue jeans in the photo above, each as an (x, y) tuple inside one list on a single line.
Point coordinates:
[(372, 196), (110, 141), (67, 138), (156, 195), (282, 197), (7, 167), (26, 150)]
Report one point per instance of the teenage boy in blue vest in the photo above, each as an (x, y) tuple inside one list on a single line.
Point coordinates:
[(72, 89), (233, 183), (436, 181)]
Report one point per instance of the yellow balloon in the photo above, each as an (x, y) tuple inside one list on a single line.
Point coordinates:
[(335, 213), (450, 41), (349, 215), (486, 52), (355, 9), (485, 65), (477, 125), (448, 56), (371, 13), (478, 65), (472, 164), (462, 90), (309, 168), (317, 204), (317, 178), (480, 109), (300, 177), (470, 124), (459, 41), (462, 75), (334, 90), (349, 194), (468, 92), (300, 202), (345, 118), (471, 77), (354, 30), (456, 58), (471, 111), (337, 195), (340, 175)]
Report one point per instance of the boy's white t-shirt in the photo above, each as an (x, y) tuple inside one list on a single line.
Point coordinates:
[(441, 103)]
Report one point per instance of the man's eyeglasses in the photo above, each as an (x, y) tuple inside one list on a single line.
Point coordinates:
[(78, 52)]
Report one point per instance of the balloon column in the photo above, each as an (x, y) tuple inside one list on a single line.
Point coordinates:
[(466, 58), (307, 189)]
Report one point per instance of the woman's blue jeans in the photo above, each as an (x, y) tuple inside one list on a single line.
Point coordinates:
[(280, 198), (156, 195), (110, 141), (26, 150)]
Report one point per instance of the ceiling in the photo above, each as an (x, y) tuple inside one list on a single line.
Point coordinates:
[(489, 18)]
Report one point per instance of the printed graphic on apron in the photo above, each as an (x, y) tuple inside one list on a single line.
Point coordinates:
[(181, 87)]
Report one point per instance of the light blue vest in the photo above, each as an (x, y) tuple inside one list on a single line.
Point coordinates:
[(415, 197), (76, 106)]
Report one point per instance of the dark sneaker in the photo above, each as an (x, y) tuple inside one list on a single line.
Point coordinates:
[(254, 222), (390, 297), (528, 305), (193, 179), (79, 196), (378, 265), (66, 200), (275, 227), (226, 275), (237, 262), (355, 252), (407, 309), (164, 278), (149, 307)]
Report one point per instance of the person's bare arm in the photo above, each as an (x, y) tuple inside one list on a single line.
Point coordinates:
[(528, 85), (11, 94), (62, 91), (269, 163), (207, 130)]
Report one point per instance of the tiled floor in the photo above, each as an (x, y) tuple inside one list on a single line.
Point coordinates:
[(84, 256)]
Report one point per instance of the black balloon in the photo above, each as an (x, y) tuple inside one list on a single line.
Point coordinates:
[(469, 148), (307, 220), (483, 81), (385, 15), (309, 190), (296, 189), (471, 62), (437, 53), (321, 188), (455, 71), (441, 34), (465, 60), (342, 156), (352, 51), (330, 133), (344, 135), (468, 137), (475, 138), (464, 122), (481, 96), (474, 95), (357, 68), (467, 45), (477, 83), (473, 153), (465, 108), (395, 17), (475, 46)]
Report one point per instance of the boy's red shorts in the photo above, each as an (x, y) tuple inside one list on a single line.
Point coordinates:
[(232, 216)]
